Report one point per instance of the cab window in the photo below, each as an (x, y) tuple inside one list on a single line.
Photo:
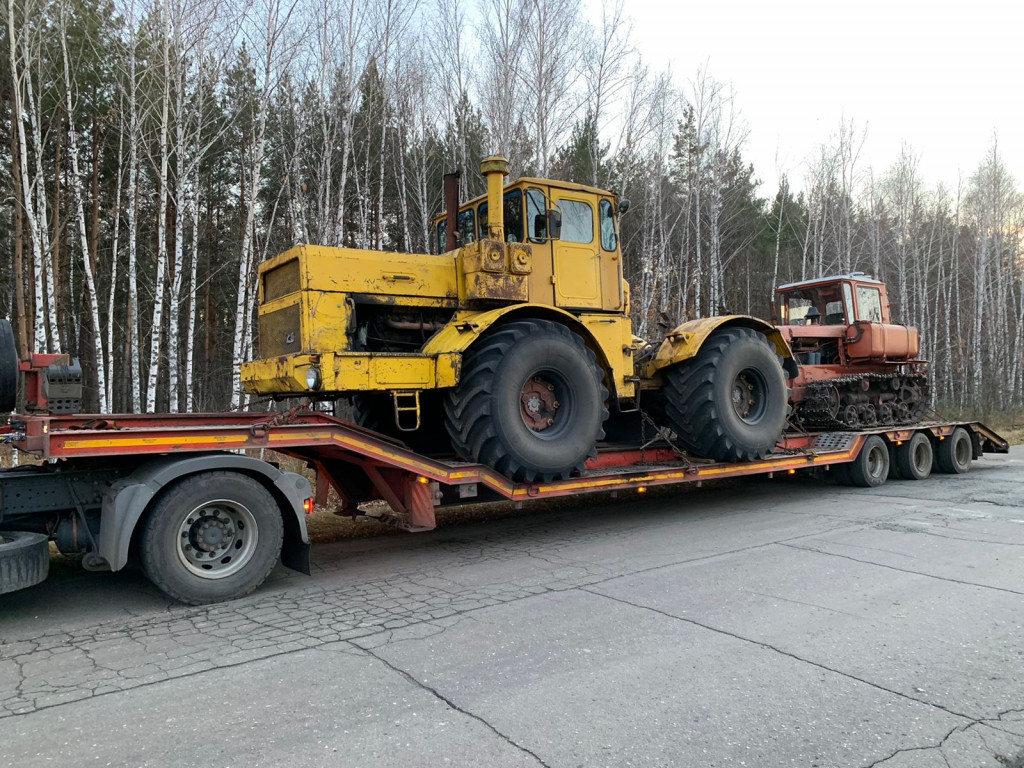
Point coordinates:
[(465, 229), (869, 304), (607, 219), (513, 206), (577, 221), (536, 215)]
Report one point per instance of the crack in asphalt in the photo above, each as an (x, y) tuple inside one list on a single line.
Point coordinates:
[(904, 570), (780, 651), (450, 703)]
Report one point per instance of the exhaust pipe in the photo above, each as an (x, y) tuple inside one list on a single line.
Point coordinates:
[(495, 169), (451, 209)]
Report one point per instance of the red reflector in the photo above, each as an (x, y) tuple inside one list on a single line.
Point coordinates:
[(307, 506)]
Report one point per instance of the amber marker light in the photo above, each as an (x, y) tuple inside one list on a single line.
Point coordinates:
[(792, 471), (641, 489), (307, 506), (422, 480)]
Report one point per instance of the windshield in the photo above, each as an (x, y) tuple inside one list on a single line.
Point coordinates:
[(826, 299)]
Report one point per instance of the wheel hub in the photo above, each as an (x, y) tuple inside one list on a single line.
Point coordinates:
[(217, 539), (537, 404), (748, 396)]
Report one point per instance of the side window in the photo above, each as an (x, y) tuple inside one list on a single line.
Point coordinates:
[(577, 221), (848, 301), (514, 216), (481, 220), (442, 235), (608, 239), (536, 215), (869, 301), (466, 228)]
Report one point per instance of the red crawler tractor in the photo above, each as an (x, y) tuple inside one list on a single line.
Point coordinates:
[(857, 368)]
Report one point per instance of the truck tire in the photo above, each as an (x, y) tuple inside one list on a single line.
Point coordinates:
[(871, 467), (729, 402), (530, 403), (211, 536), (954, 454), (8, 368), (24, 560), (914, 458)]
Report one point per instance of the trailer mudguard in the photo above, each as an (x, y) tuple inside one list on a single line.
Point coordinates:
[(127, 499), (685, 341)]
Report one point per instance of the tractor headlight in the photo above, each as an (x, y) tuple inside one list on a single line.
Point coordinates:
[(313, 380)]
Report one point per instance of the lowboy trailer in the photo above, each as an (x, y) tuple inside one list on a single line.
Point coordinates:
[(207, 522)]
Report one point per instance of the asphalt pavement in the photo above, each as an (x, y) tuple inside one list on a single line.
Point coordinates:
[(788, 622)]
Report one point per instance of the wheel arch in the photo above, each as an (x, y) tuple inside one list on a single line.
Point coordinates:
[(685, 341), (128, 500), (460, 334)]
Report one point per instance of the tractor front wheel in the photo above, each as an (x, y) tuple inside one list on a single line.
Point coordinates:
[(729, 402), (530, 403)]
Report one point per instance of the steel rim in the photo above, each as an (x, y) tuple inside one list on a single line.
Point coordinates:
[(922, 456), (750, 396), (217, 539), (961, 451), (545, 404), (876, 461)]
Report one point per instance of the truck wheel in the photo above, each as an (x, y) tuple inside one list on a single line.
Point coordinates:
[(530, 403), (871, 467), (212, 536), (914, 457), (8, 368), (24, 559), (954, 454), (729, 402)]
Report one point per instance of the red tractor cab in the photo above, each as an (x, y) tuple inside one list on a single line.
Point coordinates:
[(857, 368)]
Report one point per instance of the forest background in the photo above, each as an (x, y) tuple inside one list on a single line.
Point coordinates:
[(153, 152)]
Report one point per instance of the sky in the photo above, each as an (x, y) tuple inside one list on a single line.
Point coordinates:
[(946, 78)]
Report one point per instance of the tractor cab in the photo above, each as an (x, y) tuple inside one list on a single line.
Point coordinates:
[(835, 301)]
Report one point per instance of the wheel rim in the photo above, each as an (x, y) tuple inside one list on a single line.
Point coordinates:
[(545, 404), (922, 457), (217, 539), (876, 462), (962, 451), (750, 395)]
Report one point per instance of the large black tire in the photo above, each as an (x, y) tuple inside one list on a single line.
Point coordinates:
[(212, 536), (24, 560), (8, 368), (729, 402), (530, 402), (871, 467), (955, 453), (914, 458)]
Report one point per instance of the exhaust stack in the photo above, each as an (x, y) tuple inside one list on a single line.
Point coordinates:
[(495, 169)]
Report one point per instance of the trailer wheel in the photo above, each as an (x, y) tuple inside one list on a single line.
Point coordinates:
[(530, 403), (729, 402), (914, 458), (954, 454), (212, 536), (8, 368), (24, 559), (871, 467)]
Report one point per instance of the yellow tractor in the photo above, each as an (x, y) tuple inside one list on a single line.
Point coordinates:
[(514, 345)]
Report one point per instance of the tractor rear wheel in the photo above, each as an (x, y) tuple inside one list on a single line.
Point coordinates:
[(729, 402), (530, 403)]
